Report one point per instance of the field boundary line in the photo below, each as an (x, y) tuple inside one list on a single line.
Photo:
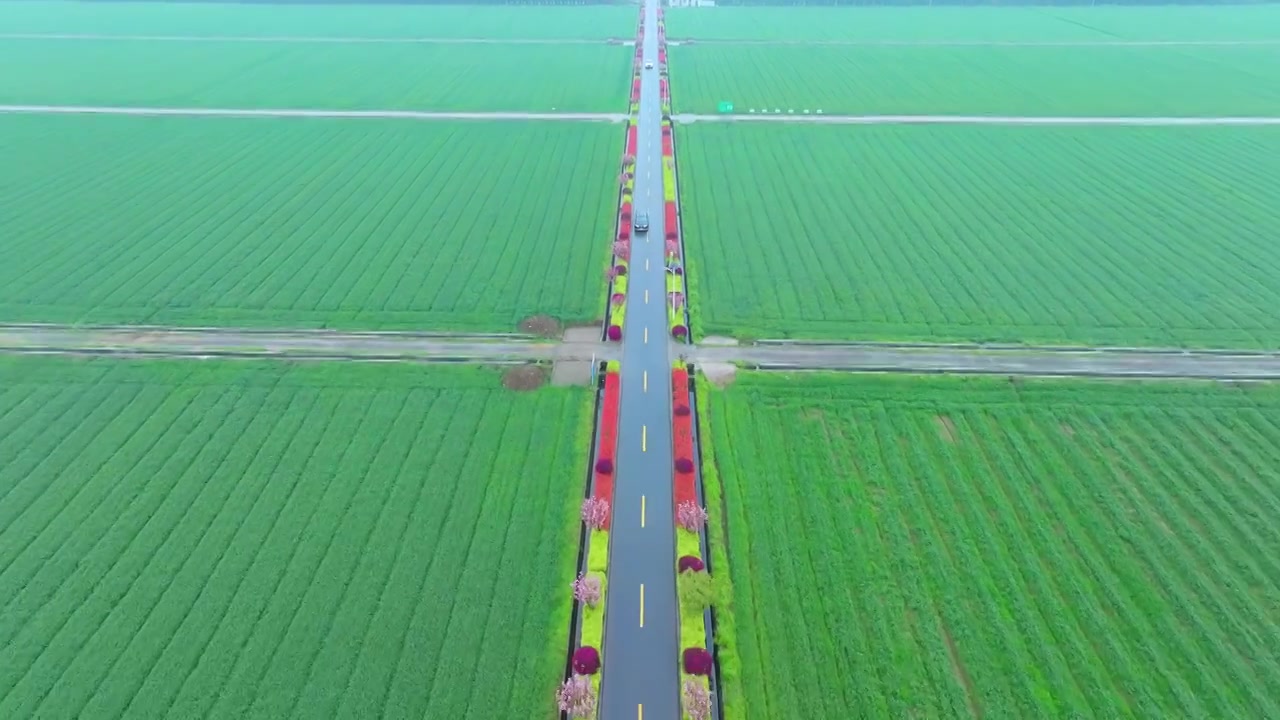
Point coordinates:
[(312, 39), (1012, 120), (443, 335), (304, 113), (693, 42)]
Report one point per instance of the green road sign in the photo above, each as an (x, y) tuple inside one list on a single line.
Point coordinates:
[(724, 106)]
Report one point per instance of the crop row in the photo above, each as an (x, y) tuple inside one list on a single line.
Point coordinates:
[(334, 75), (972, 528), (373, 224), (236, 539), (1121, 80), (905, 23), (1145, 236)]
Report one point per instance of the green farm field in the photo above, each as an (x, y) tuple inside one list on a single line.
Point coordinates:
[(978, 79), (240, 539), (308, 223), (953, 548), (326, 75), (1101, 236), (975, 24), (495, 22)]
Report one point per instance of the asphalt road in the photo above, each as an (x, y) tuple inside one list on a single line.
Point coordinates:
[(641, 671)]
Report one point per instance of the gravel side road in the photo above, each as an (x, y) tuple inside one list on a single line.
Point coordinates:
[(304, 113), (312, 39), (1029, 120), (863, 357), (1215, 365), (981, 43), (295, 344)]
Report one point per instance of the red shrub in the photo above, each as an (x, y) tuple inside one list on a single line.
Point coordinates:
[(608, 437)]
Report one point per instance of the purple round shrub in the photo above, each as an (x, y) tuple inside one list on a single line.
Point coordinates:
[(682, 410), (679, 331), (690, 563), (620, 270), (615, 332), (697, 661), (586, 661), (679, 270), (684, 465), (618, 298), (604, 466)]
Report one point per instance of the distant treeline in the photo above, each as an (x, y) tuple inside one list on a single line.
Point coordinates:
[(903, 3)]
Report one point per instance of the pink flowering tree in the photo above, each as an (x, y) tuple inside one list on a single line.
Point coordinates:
[(587, 590), (595, 512), (691, 517), (577, 698), (697, 699), (672, 248), (611, 273), (622, 249)]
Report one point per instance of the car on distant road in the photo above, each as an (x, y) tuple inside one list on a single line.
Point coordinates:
[(648, 66), (642, 222)]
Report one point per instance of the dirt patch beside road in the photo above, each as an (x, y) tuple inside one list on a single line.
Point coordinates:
[(524, 377)]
